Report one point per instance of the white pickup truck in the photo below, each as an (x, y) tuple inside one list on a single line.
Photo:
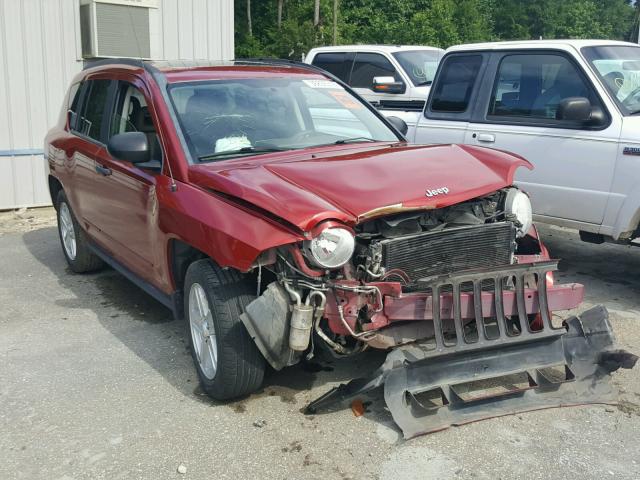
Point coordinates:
[(385, 75), (570, 107)]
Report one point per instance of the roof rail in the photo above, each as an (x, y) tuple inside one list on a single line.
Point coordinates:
[(135, 62), (292, 63)]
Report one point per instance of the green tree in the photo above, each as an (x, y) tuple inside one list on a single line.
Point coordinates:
[(424, 22)]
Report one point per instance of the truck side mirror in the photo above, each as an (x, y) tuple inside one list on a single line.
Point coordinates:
[(399, 124), (129, 147), (574, 109), (579, 109), (388, 85)]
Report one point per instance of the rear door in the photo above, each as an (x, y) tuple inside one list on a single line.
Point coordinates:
[(452, 99), (574, 163), (336, 63), (90, 131)]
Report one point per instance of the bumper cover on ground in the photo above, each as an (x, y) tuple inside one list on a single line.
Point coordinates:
[(584, 351)]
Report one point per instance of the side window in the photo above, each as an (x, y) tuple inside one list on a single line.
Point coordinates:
[(91, 119), (369, 65), (335, 63), (532, 86), (455, 83), (73, 101), (131, 114)]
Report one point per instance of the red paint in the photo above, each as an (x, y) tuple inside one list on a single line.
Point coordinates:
[(264, 201), (399, 307)]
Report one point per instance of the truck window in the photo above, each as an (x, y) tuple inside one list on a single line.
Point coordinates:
[(335, 63), (618, 67), (455, 83), (533, 85), (90, 121), (369, 65), (420, 65)]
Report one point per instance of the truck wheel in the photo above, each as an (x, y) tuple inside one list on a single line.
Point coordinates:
[(228, 362), (73, 239)]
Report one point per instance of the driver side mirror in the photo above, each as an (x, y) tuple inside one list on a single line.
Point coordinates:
[(388, 85), (130, 147), (579, 109)]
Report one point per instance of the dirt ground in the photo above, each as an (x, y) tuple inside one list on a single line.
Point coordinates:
[(96, 383), (26, 220)]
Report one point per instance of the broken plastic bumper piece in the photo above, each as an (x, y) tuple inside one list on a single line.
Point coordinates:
[(432, 385)]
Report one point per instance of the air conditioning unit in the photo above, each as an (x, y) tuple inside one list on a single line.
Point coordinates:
[(116, 28)]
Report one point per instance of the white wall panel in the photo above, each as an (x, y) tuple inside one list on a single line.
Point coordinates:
[(196, 29), (40, 52)]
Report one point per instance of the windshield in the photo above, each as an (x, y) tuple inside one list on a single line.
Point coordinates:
[(619, 69), (230, 118), (420, 65)]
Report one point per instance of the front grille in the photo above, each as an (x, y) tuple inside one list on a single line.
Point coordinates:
[(450, 250)]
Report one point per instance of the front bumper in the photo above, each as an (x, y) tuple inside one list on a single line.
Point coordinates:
[(448, 300), (583, 349)]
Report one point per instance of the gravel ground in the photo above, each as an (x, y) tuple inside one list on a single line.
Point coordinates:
[(96, 382)]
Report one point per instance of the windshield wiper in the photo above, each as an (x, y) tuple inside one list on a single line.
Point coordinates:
[(354, 140), (422, 84), (239, 152)]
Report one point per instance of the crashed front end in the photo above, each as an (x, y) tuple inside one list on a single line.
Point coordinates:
[(458, 295)]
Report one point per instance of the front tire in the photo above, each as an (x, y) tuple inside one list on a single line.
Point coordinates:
[(75, 245), (228, 363)]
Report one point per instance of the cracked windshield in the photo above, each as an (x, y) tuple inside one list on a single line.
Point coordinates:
[(225, 119)]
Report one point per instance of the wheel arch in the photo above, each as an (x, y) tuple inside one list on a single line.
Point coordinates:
[(55, 186)]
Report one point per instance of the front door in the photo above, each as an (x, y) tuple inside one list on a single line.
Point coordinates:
[(129, 214), (573, 162)]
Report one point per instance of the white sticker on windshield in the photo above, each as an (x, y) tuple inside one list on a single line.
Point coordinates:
[(321, 84), (228, 144)]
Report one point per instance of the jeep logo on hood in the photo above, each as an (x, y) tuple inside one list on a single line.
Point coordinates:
[(437, 191)]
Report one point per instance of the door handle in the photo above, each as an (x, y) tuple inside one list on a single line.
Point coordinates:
[(486, 137), (103, 170)]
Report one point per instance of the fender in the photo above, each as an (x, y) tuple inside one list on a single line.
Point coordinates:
[(231, 236)]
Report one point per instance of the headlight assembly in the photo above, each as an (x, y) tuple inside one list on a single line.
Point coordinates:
[(517, 205), (331, 248)]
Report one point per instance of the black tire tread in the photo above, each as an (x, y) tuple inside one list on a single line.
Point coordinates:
[(86, 261), (240, 363)]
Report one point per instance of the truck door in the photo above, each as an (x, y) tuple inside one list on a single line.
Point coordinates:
[(448, 110), (573, 161), (367, 66)]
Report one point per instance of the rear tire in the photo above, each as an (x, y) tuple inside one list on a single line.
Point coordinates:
[(75, 245), (228, 363)]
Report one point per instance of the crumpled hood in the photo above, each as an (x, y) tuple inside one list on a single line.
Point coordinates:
[(352, 183)]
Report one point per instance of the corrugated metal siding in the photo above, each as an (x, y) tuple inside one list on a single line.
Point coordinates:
[(195, 29), (40, 52)]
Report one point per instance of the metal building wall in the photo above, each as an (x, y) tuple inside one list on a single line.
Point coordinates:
[(40, 51)]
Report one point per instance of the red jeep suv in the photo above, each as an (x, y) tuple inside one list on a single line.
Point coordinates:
[(278, 212)]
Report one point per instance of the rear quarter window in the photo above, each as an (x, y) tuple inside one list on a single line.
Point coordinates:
[(334, 63), (455, 83)]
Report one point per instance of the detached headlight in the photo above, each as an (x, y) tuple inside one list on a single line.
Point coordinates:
[(332, 248), (518, 205)]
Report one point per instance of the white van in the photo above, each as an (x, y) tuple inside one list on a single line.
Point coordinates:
[(387, 76), (570, 107)]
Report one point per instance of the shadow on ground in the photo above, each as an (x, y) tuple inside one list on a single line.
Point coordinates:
[(148, 329)]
